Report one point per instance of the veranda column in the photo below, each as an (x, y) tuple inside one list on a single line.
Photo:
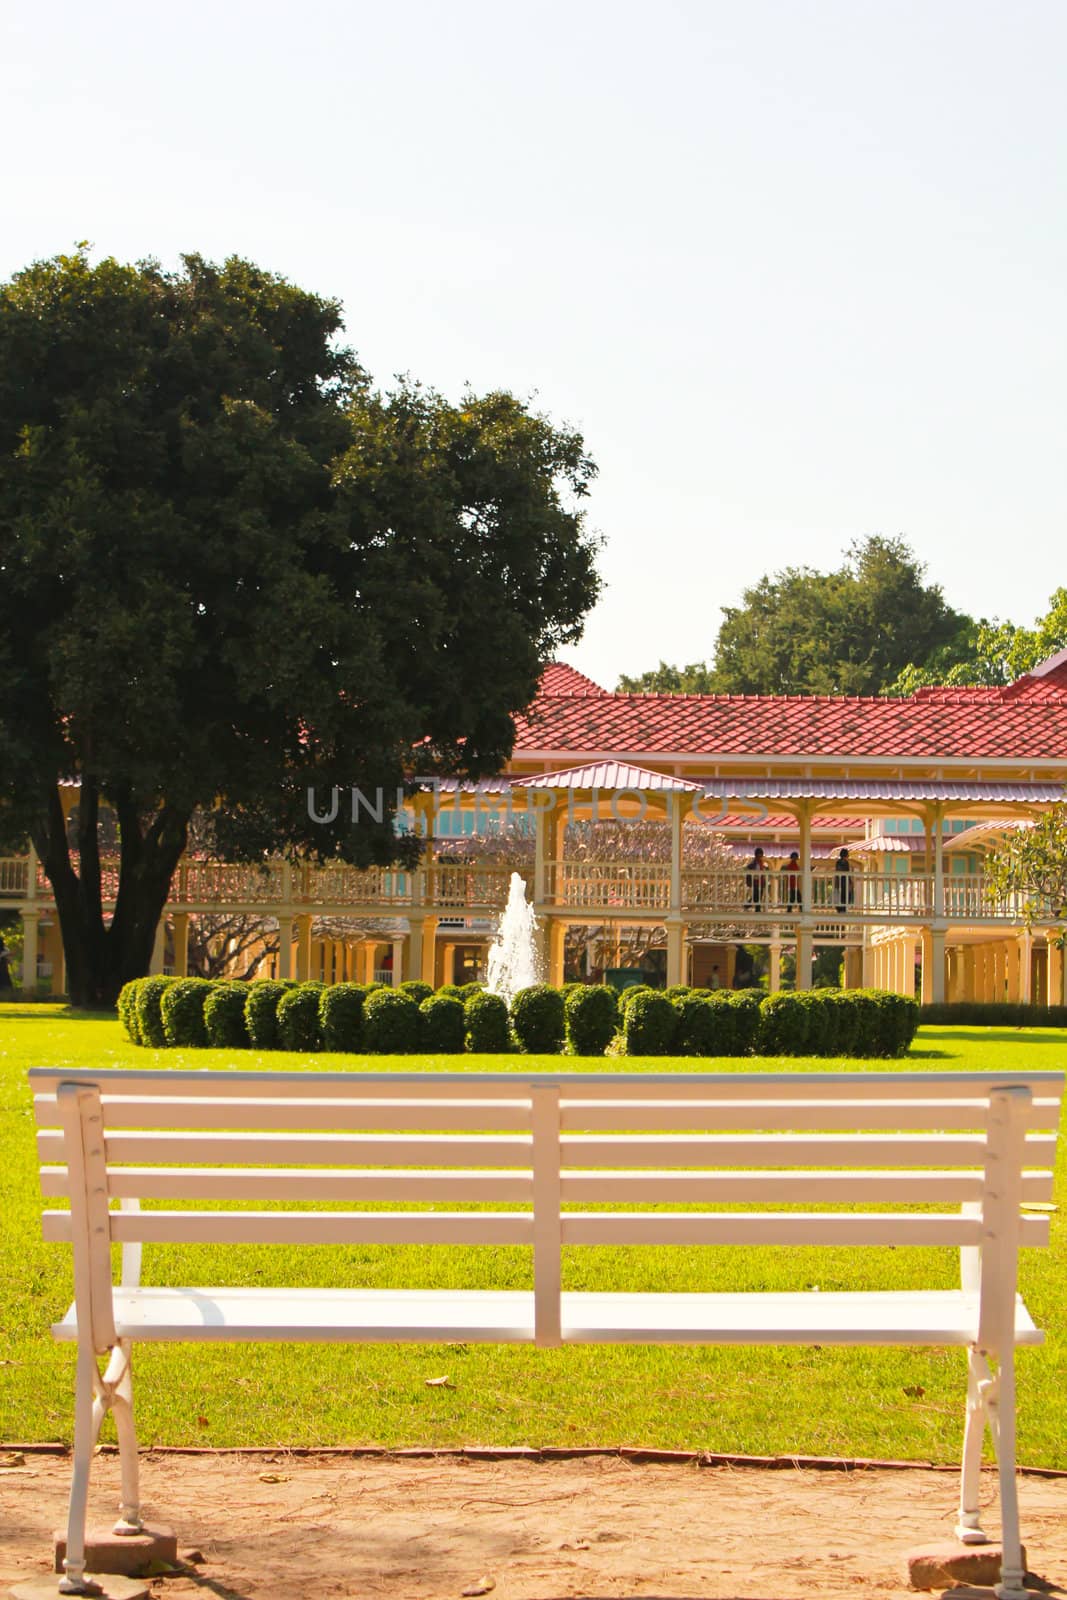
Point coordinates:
[(303, 949), (1057, 972), (675, 953), (774, 977), (927, 991), (285, 947), (557, 943), (414, 952), (937, 962), (1013, 972), (939, 862), (805, 950), (181, 943), (1026, 950), (804, 818), (429, 952), (30, 921), (398, 962), (448, 963), (968, 972)]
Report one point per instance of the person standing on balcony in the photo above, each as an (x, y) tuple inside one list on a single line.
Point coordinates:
[(844, 887), (789, 881), (755, 880)]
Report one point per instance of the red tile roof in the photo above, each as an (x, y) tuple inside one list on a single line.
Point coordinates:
[(1024, 721)]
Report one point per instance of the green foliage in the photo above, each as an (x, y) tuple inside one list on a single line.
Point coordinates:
[(224, 1016), (392, 1025), (784, 1025), (443, 1025), (416, 989), (298, 1018), (127, 1010), (537, 1020), (182, 1011), (991, 653), (1031, 863), (486, 1019), (468, 989), (747, 1018), (166, 437), (261, 1013), (650, 1024), (697, 678), (819, 1025), (591, 1014), (150, 994), (627, 996), (994, 1014), (700, 1025), (840, 1022), (341, 1016)]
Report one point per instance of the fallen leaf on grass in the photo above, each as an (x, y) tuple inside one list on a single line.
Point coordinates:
[(483, 1586), (446, 1383), (914, 1391), (274, 1477)]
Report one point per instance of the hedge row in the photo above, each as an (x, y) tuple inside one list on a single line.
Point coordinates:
[(996, 1014), (579, 1019)]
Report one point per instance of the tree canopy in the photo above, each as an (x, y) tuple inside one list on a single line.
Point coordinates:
[(229, 568), (850, 631), (1032, 864), (991, 652)]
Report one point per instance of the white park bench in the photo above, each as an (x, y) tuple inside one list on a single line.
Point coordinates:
[(975, 1147)]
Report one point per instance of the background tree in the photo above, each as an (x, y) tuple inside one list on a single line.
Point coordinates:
[(1032, 864), (992, 652), (696, 678), (850, 631), (229, 569)]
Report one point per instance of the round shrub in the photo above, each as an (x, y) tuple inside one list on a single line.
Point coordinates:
[(341, 1016), (650, 1025), (392, 1025), (537, 1020), (468, 989), (747, 1019), (298, 1018), (700, 1031), (261, 1012), (417, 990), (224, 1016), (127, 1009), (182, 1011), (591, 1014), (839, 1021), (628, 995), (444, 1026), (486, 1019), (678, 991), (784, 1027), (867, 1014), (150, 992), (813, 1003), (453, 990)]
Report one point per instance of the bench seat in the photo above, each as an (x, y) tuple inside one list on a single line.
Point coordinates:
[(891, 1317)]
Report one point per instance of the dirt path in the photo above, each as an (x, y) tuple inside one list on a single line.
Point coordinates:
[(274, 1527)]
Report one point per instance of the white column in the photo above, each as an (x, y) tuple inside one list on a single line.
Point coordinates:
[(1026, 948), (805, 861), (677, 820), (181, 944), (29, 946), (939, 862), (158, 948), (805, 948), (398, 963), (774, 977), (675, 954), (285, 947)]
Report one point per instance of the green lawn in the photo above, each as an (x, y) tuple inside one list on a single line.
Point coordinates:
[(896, 1403)]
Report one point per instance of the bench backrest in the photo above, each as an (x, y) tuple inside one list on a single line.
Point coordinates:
[(548, 1147)]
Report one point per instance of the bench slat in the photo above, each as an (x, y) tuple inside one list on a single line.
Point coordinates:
[(941, 1317), (307, 1227), (770, 1228), (268, 1183)]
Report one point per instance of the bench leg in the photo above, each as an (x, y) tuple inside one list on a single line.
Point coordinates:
[(118, 1390), (968, 1526), (1002, 1406), (74, 1580)]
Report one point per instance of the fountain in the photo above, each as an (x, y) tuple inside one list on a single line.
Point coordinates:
[(514, 959)]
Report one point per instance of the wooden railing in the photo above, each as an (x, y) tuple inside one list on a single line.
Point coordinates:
[(473, 889)]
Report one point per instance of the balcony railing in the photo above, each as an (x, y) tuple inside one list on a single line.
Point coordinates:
[(468, 889)]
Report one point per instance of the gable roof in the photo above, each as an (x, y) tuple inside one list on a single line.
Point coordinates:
[(1023, 721)]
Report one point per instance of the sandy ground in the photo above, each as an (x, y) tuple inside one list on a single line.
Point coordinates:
[(278, 1526)]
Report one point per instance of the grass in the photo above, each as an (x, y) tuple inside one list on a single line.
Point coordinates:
[(906, 1404)]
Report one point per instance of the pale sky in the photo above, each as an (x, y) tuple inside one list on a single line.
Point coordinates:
[(796, 270)]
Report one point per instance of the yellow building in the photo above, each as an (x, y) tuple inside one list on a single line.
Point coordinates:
[(915, 789)]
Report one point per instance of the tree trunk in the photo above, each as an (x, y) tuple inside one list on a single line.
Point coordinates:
[(101, 955)]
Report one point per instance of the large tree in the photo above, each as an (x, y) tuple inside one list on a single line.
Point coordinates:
[(849, 631), (229, 569), (992, 652)]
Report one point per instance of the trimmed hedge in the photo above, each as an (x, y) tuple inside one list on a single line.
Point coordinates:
[(181, 1009), (298, 1018), (486, 1020), (392, 1025), (591, 1015), (444, 1026), (538, 1020), (416, 989), (224, 1016), (627, 996), (190, 1013), (261, 1013), (150, 992), (650, 1025), (341, 1016), (992, 1014)]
